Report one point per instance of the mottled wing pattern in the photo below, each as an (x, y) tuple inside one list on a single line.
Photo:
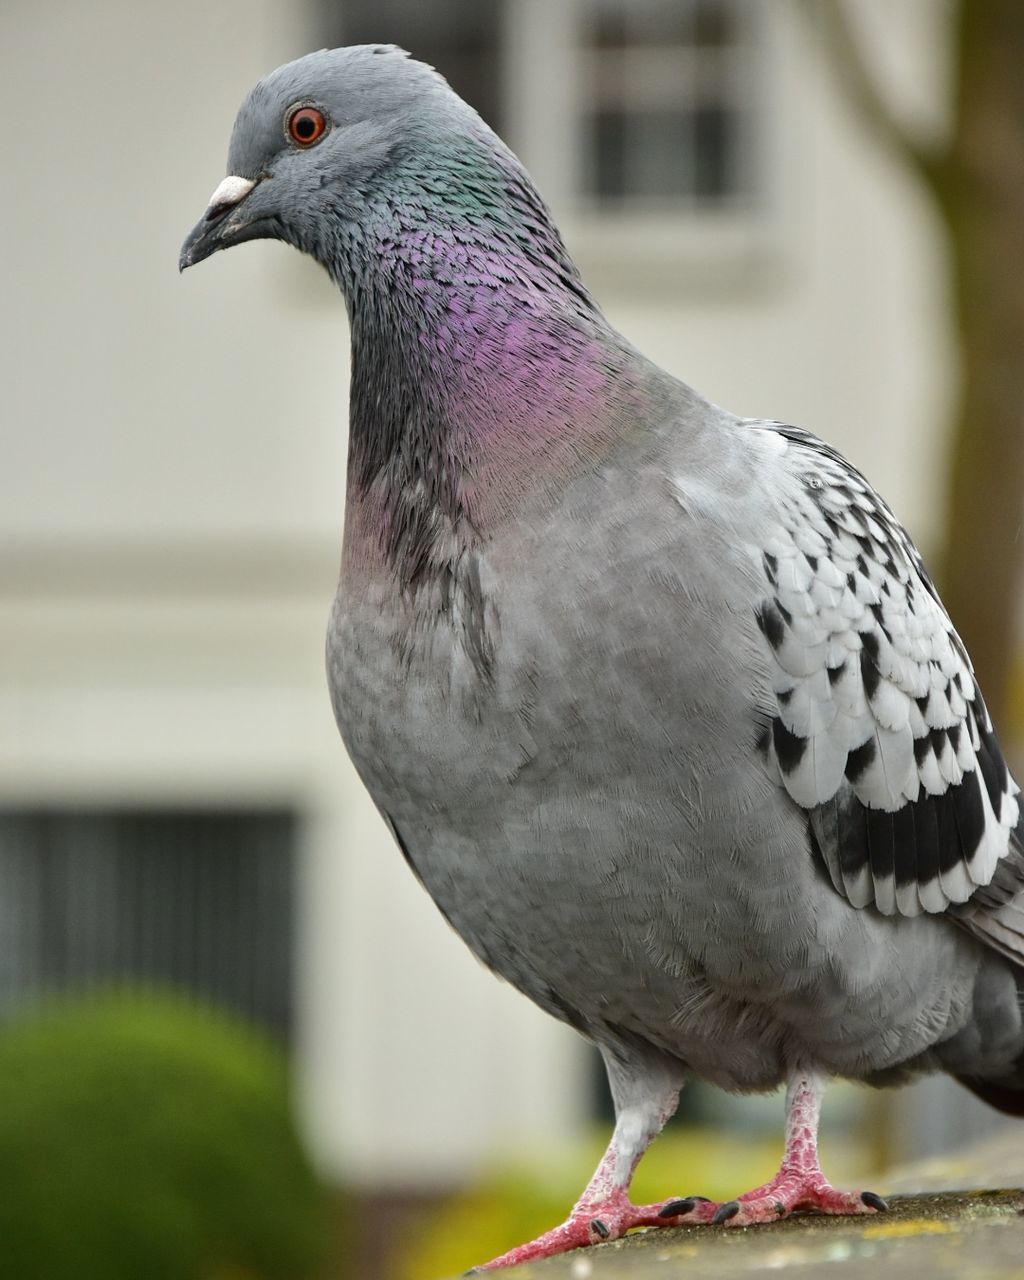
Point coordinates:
[(881, 732)]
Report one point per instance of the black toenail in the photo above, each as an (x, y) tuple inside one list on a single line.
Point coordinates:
[(726, 1211), (598, 1226), (779, 1207), (873, 1202), (676, 1208)]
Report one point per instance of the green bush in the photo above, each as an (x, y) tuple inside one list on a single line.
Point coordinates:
[(142, 1138)]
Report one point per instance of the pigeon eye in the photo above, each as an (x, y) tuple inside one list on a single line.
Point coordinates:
[(306, 126)]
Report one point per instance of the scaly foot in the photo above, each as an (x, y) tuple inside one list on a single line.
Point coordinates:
[(799, 1183), (791, 1190), (594, 1221)]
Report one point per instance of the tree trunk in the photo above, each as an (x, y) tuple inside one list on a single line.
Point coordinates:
[(980, 184)]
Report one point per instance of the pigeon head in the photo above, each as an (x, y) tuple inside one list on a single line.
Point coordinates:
[(476, 349), (318, 142), (338, 145)]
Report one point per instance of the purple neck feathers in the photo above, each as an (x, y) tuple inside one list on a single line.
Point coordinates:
[(482, 372)]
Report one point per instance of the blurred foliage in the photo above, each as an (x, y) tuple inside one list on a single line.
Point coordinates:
[(517, 1203), (141, 1137)]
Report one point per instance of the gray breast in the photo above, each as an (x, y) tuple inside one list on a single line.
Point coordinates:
[(597, 817)]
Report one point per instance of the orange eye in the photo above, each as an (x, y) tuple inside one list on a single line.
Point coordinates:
[(306, 126)]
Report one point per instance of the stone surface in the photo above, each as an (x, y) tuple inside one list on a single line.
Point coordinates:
[(966, 1234)]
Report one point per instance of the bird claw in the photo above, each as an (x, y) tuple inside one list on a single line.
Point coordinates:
[(599, 1221), (789, 1192), (724, 1212), (677, 1208)]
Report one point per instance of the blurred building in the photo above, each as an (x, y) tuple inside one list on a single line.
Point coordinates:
[(175, 801)]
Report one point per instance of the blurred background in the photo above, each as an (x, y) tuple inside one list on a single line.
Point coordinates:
[(228, 1015)]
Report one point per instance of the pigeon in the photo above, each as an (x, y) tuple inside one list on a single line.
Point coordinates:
[(659, 703)]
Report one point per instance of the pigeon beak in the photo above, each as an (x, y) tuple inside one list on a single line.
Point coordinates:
[(215, 229)]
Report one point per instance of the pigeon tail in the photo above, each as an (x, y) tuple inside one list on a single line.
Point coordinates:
[(1005, 1097)]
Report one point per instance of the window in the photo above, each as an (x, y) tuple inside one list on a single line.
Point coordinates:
[(201, 901), (663, 110)]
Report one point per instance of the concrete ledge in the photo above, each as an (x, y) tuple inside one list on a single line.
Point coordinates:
[(964, 1234)]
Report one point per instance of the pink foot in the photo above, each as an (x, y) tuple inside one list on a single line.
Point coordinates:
[(791, 1190), (799, 1183), (594, 1221)]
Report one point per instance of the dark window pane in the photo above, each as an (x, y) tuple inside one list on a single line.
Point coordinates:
[(458, 37), (609, 27), (607, 146), (661, 161), (714, 23), (660, 21), (198, 901), (642, 154), (618, 22), (716, 171)]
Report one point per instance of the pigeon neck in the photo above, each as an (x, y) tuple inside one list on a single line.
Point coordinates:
[(482, 371)]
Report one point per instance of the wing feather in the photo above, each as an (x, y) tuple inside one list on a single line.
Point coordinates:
[(881, 732)]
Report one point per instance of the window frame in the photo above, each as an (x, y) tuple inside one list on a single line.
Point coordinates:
[(635, 248)]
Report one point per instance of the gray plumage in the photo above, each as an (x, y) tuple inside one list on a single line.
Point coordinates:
[(603, 821), (660, 703)]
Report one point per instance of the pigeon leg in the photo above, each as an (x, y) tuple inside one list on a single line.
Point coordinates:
[(644, 1100), (800, 1183)]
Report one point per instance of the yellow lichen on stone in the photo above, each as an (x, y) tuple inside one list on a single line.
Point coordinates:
[(908, 1227)]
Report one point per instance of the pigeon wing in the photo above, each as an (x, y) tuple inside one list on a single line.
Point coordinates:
[(880, 731)]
